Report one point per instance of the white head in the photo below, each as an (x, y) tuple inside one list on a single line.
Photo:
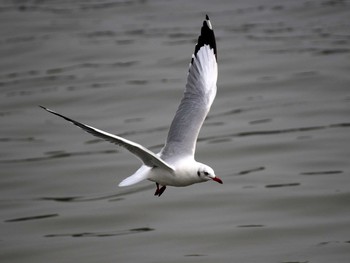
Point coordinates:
[(206, 173)]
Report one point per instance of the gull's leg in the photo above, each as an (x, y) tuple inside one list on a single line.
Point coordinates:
[(161, 190), (157, 190)]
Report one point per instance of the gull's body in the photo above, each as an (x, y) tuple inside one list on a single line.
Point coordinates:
[(175, 164)]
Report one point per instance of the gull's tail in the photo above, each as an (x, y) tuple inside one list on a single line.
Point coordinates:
[(140, 175)]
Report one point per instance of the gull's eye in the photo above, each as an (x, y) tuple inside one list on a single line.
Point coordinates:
[(206, 173)]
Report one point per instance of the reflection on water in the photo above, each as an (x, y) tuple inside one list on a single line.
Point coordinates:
[(277, 133)]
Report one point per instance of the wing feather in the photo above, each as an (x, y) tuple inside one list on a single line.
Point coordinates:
[(146, 156), (198, 97)]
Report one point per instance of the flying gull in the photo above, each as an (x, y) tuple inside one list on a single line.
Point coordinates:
[(175, 164)]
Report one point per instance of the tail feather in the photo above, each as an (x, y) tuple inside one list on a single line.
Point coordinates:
[(138, 176)]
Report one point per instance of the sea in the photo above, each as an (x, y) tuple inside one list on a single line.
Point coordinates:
[(278, 133)]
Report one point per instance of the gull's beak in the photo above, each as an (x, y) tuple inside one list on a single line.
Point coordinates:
[(217, 179)]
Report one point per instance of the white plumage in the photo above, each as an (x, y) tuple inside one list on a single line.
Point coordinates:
[(175, 165)]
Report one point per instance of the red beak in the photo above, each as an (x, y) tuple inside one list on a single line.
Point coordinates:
[(217, 179)]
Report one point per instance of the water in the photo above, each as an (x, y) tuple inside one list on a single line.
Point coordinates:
[(277, 134)]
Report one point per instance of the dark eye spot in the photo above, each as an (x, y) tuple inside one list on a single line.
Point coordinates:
[(206, 173), (198, 173)]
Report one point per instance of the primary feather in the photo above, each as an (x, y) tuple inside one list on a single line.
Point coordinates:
[(198, 97)]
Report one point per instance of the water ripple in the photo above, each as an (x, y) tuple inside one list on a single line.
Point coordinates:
[(28, 218), (104, 234), (57, 155), (280, 131), (281, 185), (322, 172), (110, 197), (253, 170)]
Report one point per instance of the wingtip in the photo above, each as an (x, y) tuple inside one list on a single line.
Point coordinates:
[(207, 37), (44, 108), (47, 109), (207, 20)]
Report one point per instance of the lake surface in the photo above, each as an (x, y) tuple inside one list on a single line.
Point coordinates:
[(278, 133)]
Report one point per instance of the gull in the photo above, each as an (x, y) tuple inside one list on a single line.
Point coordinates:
[(175, 164)]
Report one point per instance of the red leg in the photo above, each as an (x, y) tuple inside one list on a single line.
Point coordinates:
[(159, 191)]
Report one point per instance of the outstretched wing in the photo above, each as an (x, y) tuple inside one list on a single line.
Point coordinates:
[(146, 156), (198, 97)]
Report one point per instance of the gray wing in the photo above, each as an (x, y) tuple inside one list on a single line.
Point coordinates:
[(198, 97), (145, 155)]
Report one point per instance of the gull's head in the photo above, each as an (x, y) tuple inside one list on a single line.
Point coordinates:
[(206, 173)]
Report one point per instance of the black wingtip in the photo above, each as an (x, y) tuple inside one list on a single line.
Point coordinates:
[(206, 37), (44, 108)]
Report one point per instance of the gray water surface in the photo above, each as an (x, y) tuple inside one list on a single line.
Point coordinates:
[(277, 134)]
